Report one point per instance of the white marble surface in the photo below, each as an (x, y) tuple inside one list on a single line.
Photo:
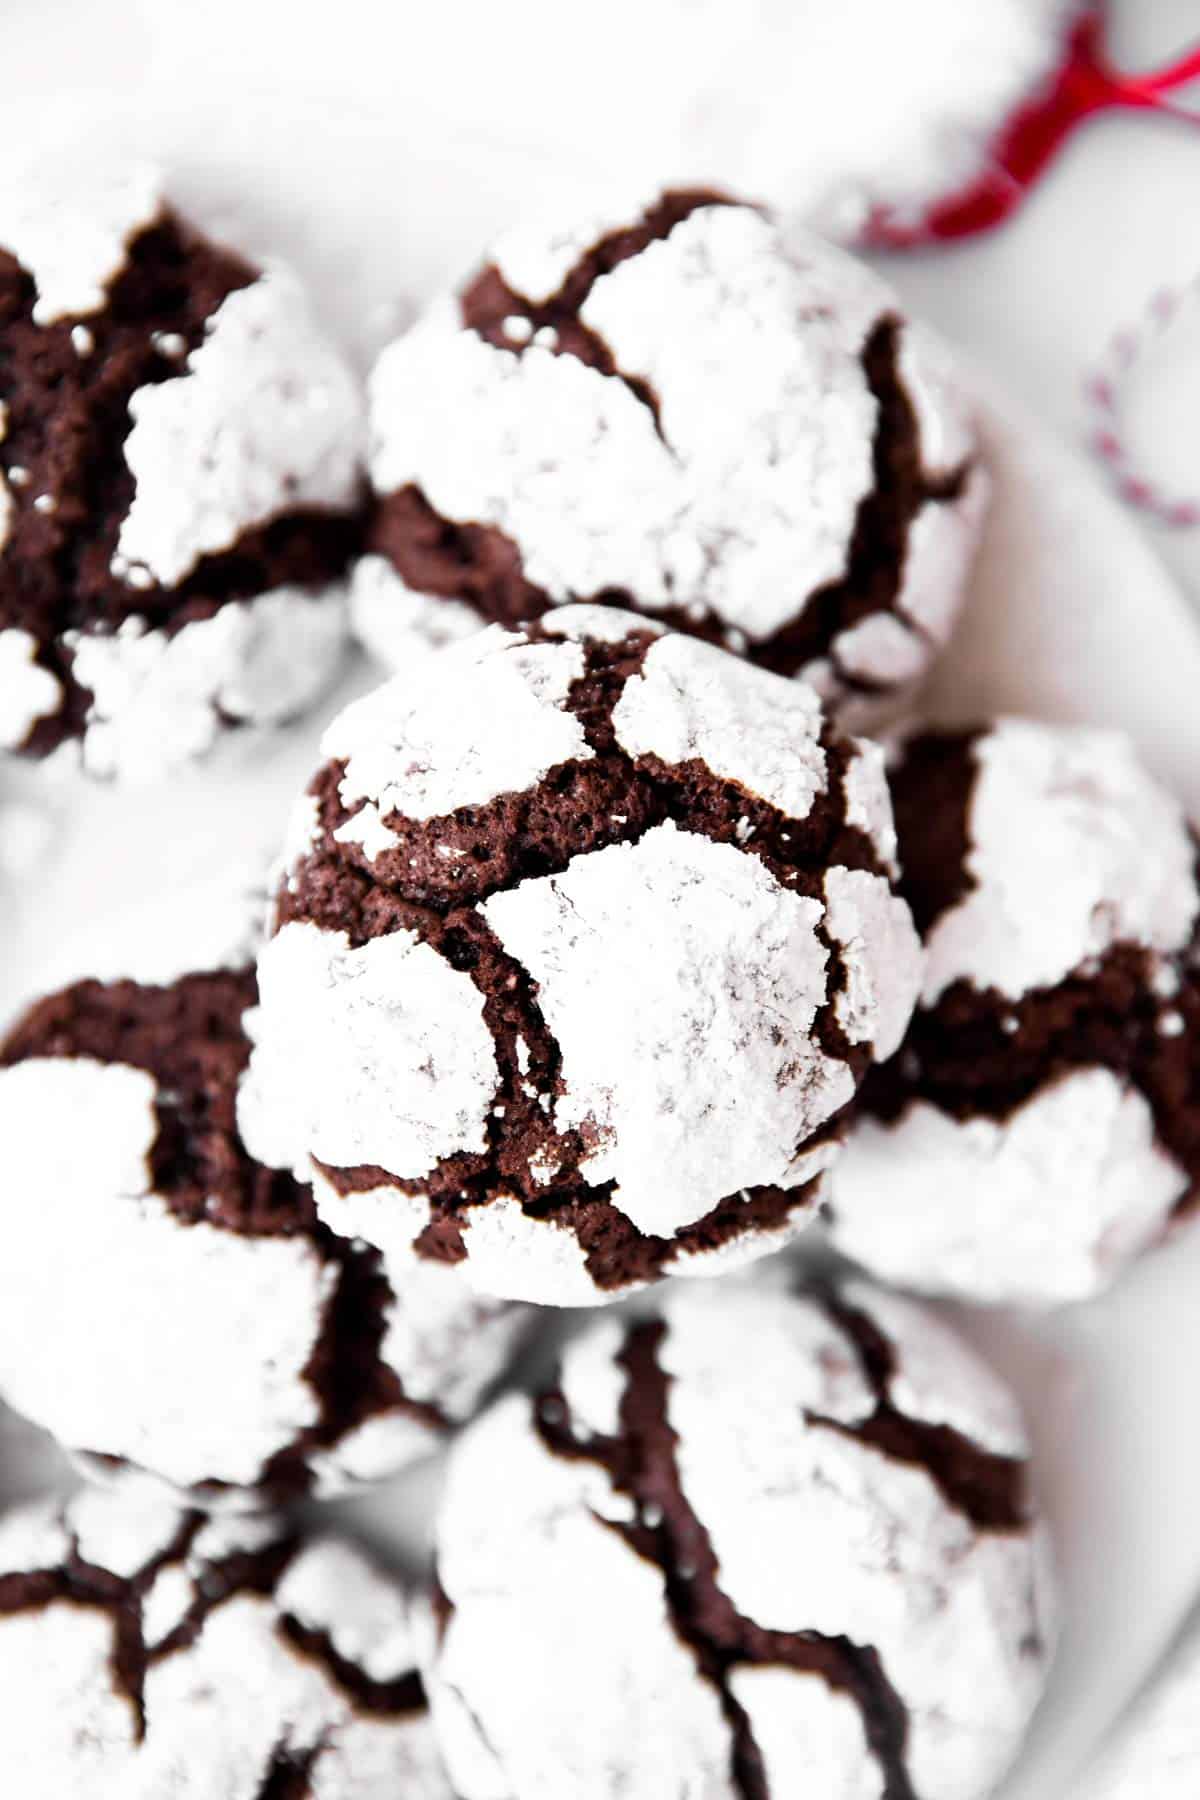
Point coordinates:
[(374, 147)]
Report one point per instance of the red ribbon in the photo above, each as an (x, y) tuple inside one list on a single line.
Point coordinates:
[(1086, 84)]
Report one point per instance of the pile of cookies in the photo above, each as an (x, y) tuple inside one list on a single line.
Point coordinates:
[(604, 956)]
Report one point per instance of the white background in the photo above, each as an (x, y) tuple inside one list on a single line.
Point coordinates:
[(375, 144)]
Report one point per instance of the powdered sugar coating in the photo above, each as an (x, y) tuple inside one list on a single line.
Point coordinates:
[(602, 624), (160, 700), (483, 719), (578, 450), (330, 1588), (446, 1346), (71, 1657), (811, 1739), (27, 692), (31, 1538), (814, 1531), (526, 1258), (371, 1055), (232, 1320), (123, 1539), (231, 429), (70, 226), (166, 1605), (387, 1217), (372, 1452), (1035, 1134), (1068, 813), (537, 255), (868, 803), (687, 702), (613, 911), (288, 643), (874, 1553), (937, 562), (1042, 1206), (509, 1252), (396, 624), (265, 417), (732, 494), (233, 1704), (797, 112), (593, 495), (749, 433), (935, 393), (934, 1378), (235, 1350), (882, 956), (679, 958), (497, 1697), (881, 648), (445, 1342), (593, 1376)]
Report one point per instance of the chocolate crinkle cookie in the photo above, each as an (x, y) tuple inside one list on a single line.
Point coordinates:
[(824, 1583), (147, 1651), (1041, 1124), (684, 409), (587, 937), (168, 1303), (179, 478)]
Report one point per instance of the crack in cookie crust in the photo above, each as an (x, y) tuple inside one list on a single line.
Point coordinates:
[(430, 877), (483, 566), (65, 392), (980, 1053), (291, 1651), (189, 1038), (500, 315), (988, 1488), (122, 1598), (289, 1776), (642, 1465), (580, 806), (399, 1697), (1040, 1126), (638, 1409)]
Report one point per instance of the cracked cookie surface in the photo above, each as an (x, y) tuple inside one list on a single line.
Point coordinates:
[(146, 1650), (1041, 1124), (179, 479), (687, 411), (823, 1583), (587, 937), (171, 1303)]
